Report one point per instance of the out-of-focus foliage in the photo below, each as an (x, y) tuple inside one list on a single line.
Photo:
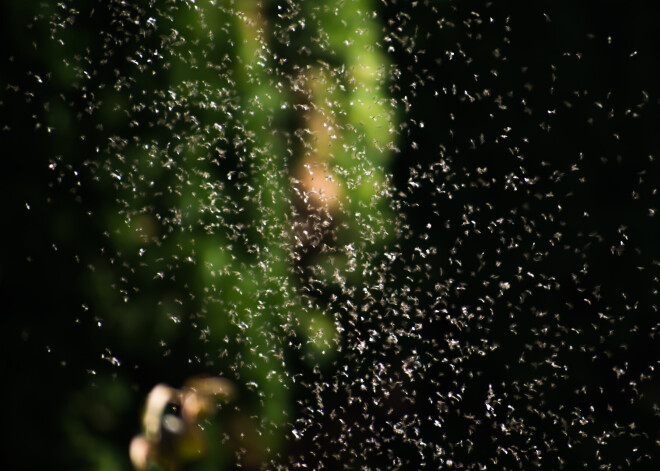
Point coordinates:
[(412, 234), (227, 165)]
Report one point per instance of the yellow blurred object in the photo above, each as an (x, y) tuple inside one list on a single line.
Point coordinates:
[(139, 452), (199, 396), (319, 185), (171, 433)]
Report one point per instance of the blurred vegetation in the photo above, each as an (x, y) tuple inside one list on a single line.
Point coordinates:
[(174, 133)]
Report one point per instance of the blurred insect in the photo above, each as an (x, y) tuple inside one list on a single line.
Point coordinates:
[(172, 435)]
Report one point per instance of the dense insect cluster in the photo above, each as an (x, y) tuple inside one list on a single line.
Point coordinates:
[(414, 235)]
